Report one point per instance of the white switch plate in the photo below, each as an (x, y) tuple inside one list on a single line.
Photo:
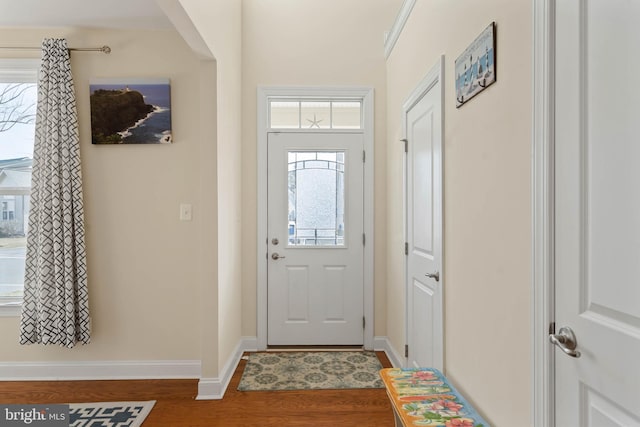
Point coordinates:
[(185, 212)]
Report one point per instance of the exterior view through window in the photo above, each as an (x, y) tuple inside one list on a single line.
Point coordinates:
[(316, 198), (18, 98)]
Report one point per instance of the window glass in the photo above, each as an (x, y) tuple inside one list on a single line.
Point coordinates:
[(315, 115), (285, 115), (316, 198), (346, 115), (18, 96), (289, 114)]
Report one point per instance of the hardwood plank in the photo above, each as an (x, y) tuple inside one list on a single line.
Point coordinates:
[(176, 404)]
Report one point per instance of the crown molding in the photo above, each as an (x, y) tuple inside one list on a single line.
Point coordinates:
[(394, 34)]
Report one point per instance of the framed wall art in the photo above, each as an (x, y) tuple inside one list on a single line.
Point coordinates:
[(130, 111), (476, 67)]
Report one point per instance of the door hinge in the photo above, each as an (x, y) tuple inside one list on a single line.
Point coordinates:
[(406, 144), (364, 156), (552, 328), (406, 248), (364, 239), (364, 322), (406, 350)]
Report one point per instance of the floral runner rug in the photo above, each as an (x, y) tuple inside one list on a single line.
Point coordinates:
[(311, 371)]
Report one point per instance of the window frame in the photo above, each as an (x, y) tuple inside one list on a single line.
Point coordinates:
[(300, 100), (16, 70), (338, 93)]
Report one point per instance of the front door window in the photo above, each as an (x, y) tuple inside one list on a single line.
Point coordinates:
[(316, 198)]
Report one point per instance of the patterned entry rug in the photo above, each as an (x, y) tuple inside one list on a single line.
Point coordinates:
[(109, 414), (311, 371)]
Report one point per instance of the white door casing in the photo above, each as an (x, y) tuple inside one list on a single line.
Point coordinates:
[(423, 120), (542, 215), (597, 212), (264, 96), (315, 258)]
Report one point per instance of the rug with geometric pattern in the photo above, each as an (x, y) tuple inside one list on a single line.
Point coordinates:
[(109, 414), (311, 371)]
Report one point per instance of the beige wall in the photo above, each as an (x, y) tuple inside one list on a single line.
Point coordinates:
[(143, 273), (311, 43), (165, 289), (219, 25), (486, 201)]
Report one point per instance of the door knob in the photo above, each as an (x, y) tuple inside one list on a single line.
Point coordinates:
[(566, 340), (435, 276), (275, 256)]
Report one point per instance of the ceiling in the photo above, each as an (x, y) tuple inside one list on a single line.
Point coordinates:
[(143, 14)]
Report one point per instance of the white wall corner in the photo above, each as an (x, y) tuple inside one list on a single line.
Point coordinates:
[(210, 389), (100, 370), (214, 388), (383, 344), (182, 23), (398, 25)]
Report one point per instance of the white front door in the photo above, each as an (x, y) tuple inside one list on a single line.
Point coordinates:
[(315, 239), (597, 213), (423, 121)]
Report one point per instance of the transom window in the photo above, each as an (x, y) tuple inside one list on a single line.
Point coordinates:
[(307, 114)]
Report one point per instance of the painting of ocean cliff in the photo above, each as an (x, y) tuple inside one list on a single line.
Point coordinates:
[(130, 111), (476, 66)]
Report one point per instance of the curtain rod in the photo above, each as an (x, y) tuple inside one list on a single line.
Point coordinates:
[(104, 49)]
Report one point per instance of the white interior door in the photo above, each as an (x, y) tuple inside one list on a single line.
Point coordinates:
[(423, 122), (597, 219), (315, 229)]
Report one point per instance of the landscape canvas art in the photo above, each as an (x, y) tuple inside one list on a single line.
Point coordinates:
[(476, 67), (130, 111)]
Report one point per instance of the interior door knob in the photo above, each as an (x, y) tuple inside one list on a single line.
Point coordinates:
[(435, 276), (275, 256), (565, 339)]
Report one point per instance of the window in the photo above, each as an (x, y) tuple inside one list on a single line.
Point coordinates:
[(307, 114), (18, 97), (8, 208), (316, 198)]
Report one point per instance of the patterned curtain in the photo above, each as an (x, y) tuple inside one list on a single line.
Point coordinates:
[(55, 309)]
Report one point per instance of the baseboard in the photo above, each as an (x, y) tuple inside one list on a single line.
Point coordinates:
[(99, 370), (208, 388), (383, 344), (214, 388)]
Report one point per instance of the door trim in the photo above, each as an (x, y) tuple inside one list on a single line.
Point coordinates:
[(433, 77), (542, 205), (366, 95)]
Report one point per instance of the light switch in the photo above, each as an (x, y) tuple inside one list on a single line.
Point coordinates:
[(185, 212)]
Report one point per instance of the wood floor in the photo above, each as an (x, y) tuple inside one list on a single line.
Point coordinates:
[(176, 405)]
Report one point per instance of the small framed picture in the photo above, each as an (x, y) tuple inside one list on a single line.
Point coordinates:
[(476, 67), (130, 111)]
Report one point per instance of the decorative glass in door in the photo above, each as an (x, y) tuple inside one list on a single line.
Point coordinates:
[(316, 198)]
